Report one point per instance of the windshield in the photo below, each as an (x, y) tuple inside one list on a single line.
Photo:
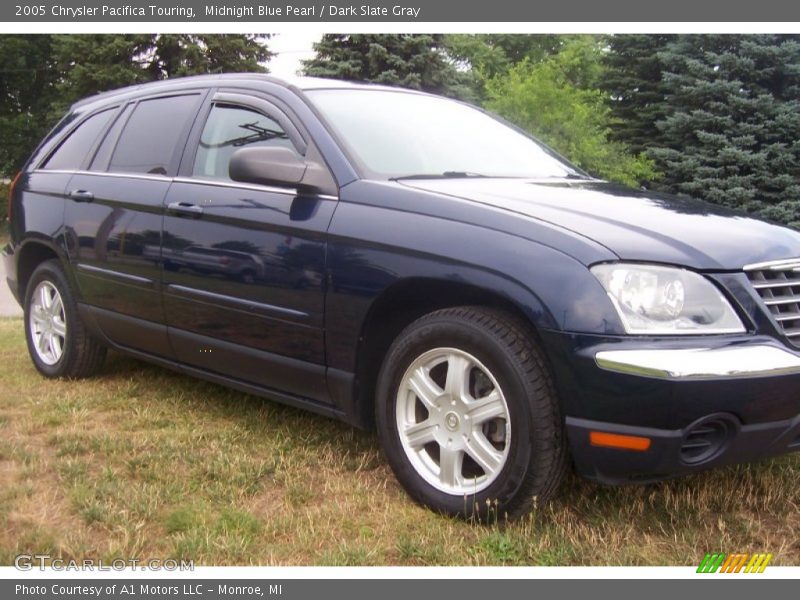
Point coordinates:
[(400, 134)]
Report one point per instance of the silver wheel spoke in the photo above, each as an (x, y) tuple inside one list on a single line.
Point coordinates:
[(43, 344), (457, 383), (44, 297), (450, 462), (420, 434), (424, 387), (37, 314), (57, 307), (482, 452), (487, 408), (55, 346), (59, 328)]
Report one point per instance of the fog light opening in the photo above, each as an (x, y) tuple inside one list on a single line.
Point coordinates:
[(707, 439)]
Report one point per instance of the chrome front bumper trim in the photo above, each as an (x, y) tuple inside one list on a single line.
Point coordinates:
[(701, 363)]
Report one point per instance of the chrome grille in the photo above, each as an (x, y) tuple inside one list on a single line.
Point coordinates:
[(778, 284)]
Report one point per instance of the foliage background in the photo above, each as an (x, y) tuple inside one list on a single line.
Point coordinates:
[(711, 116)]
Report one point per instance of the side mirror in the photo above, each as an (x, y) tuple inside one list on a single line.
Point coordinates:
[(267, 166)]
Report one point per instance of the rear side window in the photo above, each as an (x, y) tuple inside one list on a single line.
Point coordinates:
[(229, 128), (151, 135), (72, 152)]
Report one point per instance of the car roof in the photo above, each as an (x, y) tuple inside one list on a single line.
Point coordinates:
[(298, 84)]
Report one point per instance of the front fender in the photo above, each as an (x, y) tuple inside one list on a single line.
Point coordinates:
[(373, 248)]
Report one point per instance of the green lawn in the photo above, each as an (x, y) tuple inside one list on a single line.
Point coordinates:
[(145, 463)]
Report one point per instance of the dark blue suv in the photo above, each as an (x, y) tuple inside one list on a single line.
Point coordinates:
[(394, 258)]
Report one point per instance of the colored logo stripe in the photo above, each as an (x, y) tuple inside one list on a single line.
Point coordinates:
[(758, 563), (734, 563), (711, 563)]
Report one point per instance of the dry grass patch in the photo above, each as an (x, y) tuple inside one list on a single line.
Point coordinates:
[(142, 462)]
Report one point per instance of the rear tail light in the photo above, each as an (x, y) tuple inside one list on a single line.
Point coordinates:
[(14, 181)]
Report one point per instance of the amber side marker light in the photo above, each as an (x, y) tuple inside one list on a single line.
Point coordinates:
[(623, 442)]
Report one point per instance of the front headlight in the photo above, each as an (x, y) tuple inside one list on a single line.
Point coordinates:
[(655, 300)]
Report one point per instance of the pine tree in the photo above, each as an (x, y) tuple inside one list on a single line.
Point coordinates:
[(730, 132), (413, 61), (636, 91)]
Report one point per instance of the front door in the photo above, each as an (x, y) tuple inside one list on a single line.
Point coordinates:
[(244, 264)]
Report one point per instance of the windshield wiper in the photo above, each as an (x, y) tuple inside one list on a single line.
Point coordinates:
[(445, 175)]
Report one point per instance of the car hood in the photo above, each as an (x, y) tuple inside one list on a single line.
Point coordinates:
[(634, 225)]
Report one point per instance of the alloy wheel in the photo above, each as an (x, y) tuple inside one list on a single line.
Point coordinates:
[(47, 323), (453, 421)]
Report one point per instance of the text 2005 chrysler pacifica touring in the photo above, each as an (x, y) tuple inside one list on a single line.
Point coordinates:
[(391, 257)]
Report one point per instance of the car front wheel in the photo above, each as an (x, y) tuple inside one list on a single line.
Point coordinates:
[(467, 414)]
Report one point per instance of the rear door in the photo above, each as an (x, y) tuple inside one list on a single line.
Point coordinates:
[(244, 264), (114, 216)]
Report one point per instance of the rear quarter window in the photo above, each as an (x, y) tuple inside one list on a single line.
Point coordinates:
[(73, 151)]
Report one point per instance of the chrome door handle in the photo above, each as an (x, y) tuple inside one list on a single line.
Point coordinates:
[(81, 195), (186, 208)]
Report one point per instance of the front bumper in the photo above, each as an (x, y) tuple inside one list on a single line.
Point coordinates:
[(666, 456), (698, 403)]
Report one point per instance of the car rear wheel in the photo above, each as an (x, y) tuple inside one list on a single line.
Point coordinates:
[(58, 342), (467, 414)]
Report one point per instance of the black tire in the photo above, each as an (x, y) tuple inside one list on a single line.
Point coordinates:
[(82, 353), (537, 455)]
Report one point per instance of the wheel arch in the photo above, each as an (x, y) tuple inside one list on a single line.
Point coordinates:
[(31, 254), (399, 305)]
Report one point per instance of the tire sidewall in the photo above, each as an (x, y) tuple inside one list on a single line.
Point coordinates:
[(49, 271), (504, 366)]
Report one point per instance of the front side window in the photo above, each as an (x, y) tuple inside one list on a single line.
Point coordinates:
[(72, 152), (229, 128), (401, 134), (152, 134)]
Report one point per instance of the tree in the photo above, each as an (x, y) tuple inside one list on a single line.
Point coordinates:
[(632, 78), (43, 74), (491, 54), (26, 87), (414, 61), (730, 132), (88, 64), (558, 101), (95, 63)]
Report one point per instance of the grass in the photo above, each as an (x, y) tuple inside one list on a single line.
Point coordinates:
[(144, 463)]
